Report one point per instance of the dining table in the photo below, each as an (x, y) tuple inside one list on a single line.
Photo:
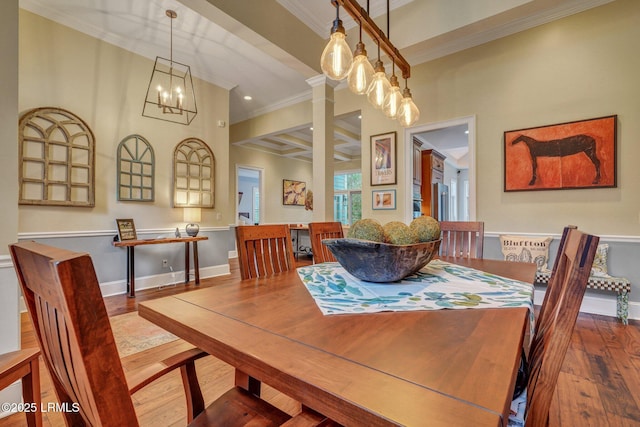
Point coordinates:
[(440, 363)]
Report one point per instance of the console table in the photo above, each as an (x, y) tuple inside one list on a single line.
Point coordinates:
[(131, 244)]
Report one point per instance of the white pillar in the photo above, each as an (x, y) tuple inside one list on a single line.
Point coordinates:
[(322, 147)]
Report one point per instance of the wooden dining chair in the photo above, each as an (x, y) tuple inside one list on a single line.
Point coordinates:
[(553, 291), (24, 365), (264, 250), (462, 238), (556, 322), (323, 230), (63, 298)]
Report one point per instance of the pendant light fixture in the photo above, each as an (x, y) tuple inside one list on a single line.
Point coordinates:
[(408, 113), (170, 94), (393, 98), (381, 93), (380, 86), (361, 72), (336, 59)]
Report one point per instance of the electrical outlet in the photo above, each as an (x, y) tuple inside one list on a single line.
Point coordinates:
[(165, 263)]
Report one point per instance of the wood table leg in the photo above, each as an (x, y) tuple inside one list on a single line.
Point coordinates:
[(248, 383), (131, 273), (31, 393), (186, 262), (196, 264)]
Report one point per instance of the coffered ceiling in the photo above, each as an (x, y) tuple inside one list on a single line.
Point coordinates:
[(266, 49)]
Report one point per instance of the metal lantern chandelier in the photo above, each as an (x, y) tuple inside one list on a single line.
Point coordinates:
[(338, 63), (170, 94)]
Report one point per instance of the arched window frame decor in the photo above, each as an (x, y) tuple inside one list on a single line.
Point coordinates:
[(136, 170), (193, 172), (56, 163)]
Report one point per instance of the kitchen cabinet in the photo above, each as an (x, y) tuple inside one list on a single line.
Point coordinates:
[(432, 172)]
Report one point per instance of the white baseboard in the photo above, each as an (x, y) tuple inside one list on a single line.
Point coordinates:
[(119, 287)]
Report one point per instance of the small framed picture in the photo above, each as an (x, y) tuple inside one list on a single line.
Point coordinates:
[(383, 199), (383, 159), (293, 192), (126, 229)]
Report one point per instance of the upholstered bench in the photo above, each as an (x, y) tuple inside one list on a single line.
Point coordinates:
[(536, 249), (603, 282)]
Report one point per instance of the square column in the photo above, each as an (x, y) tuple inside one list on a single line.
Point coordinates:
[(323, 141)]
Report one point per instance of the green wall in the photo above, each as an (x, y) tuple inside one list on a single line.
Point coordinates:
[(576, 68)]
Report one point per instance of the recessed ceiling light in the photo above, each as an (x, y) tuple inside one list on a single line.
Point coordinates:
[(466, 132), (247, 98), (360, 116)]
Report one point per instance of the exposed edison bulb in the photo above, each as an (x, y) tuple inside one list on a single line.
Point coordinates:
[(336, 59), (361, 72), (393, 99), (379, 86), (408, 112)]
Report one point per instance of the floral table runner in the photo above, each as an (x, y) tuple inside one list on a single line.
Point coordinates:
[(439, 285)]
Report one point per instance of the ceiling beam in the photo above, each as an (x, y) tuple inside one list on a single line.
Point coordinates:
[(358, 13)]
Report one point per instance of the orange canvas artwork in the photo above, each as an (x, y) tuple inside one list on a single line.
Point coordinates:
[(579, 154)]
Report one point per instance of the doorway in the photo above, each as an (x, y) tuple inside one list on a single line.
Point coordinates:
[(455, 139), (249, 206)]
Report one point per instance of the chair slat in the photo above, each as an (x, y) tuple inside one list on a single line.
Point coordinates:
[(462, 239), (323, 230), (273, 251)]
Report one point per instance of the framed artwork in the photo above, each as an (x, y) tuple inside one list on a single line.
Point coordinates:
[(383, 199), (293, 192), (126, 229), (383, 159), (580, 154)]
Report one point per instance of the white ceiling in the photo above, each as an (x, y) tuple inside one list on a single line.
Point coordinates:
[(223, 51), (452, 142)]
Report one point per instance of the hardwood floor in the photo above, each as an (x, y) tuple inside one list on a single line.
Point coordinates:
[(599, 384)]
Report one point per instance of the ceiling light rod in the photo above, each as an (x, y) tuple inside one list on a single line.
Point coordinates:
[(165, 98), (358, 13)]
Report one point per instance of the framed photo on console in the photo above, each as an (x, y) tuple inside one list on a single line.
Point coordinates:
[(126, 229)]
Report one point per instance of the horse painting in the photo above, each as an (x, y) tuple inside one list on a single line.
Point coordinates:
[(568, 146)]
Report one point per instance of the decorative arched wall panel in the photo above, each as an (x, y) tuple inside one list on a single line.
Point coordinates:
[(193, 172), (56, 159)]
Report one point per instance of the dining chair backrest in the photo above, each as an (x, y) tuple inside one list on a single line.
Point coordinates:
[(462, 239), (264, 250), (553, 290), (555, 326), (63, 298), (323, 230)]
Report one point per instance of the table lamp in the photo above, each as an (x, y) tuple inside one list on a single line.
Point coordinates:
[(191, 217)]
